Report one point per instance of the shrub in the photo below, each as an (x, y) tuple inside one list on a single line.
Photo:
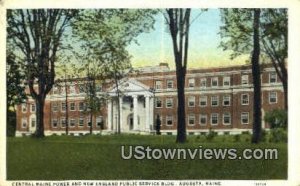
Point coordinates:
[(278, 135), (237, 138), (263, 135), (211, 135), (277, 118)]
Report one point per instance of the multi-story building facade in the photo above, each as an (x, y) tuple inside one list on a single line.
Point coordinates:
[(216, 98)]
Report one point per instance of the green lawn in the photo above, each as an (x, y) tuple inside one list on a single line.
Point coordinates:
[(99, 157)]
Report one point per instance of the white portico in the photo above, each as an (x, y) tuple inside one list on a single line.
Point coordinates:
[(136, 107)]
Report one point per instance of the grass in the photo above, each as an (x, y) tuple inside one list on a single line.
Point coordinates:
[(99, 158)]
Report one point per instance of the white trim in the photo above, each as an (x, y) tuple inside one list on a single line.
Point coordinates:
[(247, 118), (229, 100), (227, 78), (205, 116), (191, 81), (81, 119), (190, 116), (31, 106), (205, 97), (24, 120), (270, 75), (70, 103), (69, 123), (169, 117), (211, 101), (159, 99), (214, 79), (170, 99), (54, 105), (276, 97), (244, 77), (172, 81), (52, 121), (192, 101), (61, 123), (24, 107), (211, 118), (229, 118), (242, 100)]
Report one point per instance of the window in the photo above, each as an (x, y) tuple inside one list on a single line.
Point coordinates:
[(226, 100), (99, 121), (244, 79), (158, 103), (191, 119), (214, 101), (72, 89), (214, 118), (72, 106), (191, 83), (245, 99), (81, 88), (63, 122), (226, 81), (191, 101), (54, 107), (272, 77), (203, 82), (169, 120), (88, 120), (55, 90), (203, 101), (169, 102), (24, 107), (54, 123), (63, 106), (72, 122), (81, 106), (33, 122), (81, 122), (226, 118), (24, 122), (33, 107), (214, 82), (170, 84), (203, 119), (158, 85), (245, 117), (272, 97)]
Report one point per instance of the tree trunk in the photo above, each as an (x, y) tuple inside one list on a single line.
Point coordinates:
[(40, 102), (285, 90), (181, 125), (256, 79)]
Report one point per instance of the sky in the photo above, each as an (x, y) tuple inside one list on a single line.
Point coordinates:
[(204, 51)]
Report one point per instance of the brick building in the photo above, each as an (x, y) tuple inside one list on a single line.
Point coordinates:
[(216, 98)]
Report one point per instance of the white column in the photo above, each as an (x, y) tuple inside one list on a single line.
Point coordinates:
[(135, 112), (152, 112), (121, 113), (147, 127), (109, 114)]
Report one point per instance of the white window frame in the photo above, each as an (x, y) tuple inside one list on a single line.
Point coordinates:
[(54, 107), (80, 105), (169, 118), (32, 105), (216, 79), (229, 100), (81, 119), (272, 78), (226, 79), (70, 122), (191, 99), (203, 83), (158, 99), (63, 109), (214, 100), (169, 101), (203, 116), (52, 122), (242, 99), (24, 107), (243, 114), (33, 119), (71, 106), (203, 99), (191, 83), (189, 119), (228, 115), (72, 89), (172, 84), (61, 122), (245, 79), (24, 121), (270, 97), (158, 84), (211, 118)]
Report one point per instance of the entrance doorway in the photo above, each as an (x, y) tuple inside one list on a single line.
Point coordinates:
[(130, 121)]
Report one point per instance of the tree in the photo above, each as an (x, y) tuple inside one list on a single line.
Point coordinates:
[(241, 34), (178, 21), (37, 34), (106, 34), (15, 90), (273, 38), (275, 43)]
